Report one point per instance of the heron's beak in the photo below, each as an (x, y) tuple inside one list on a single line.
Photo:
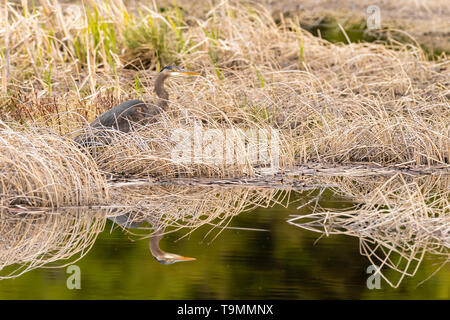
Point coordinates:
[(189, 73), (183, 72)]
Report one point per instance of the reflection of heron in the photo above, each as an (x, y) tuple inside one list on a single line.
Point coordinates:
[(160, 255), (122, 116)]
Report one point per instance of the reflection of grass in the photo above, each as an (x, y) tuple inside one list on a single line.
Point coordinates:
[(397, 220), (34, 238), (283, 263)]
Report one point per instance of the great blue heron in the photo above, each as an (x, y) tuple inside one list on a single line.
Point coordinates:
[(160, 255), (123, 116)]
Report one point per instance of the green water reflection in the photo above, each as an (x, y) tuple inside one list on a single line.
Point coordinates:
[(284, 262)]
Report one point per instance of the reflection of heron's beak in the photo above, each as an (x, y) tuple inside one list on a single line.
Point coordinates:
[(173, 258), (181, 259), (160, 255)]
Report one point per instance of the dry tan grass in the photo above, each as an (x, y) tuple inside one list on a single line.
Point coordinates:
[(333, 103), (38, 168), (151, 150)]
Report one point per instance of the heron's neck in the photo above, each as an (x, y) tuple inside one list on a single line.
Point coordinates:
[(163, 95)]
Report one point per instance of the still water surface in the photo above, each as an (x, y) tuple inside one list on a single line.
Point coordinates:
[(284, 262)]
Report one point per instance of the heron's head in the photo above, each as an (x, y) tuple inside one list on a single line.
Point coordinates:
[(169, 258), (171, 71)]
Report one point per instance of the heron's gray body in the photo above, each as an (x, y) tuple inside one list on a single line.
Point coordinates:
[(123, 116)]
